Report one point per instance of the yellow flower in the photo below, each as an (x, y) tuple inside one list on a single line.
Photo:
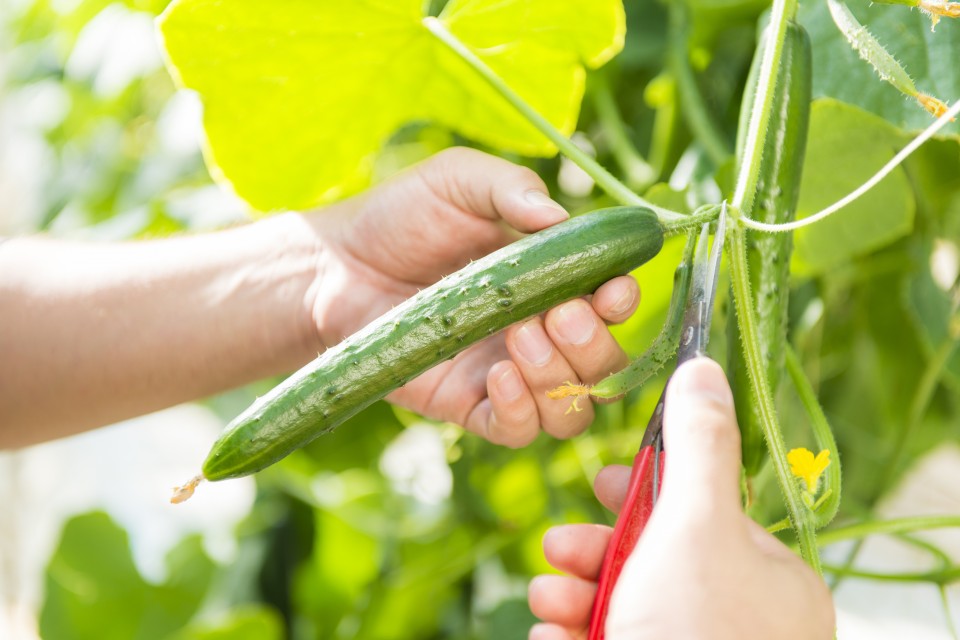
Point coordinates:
[(807, 467)]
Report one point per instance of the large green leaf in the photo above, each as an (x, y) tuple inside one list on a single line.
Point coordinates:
[(929, 57), (93, 589), (846, 146), (299, 95)]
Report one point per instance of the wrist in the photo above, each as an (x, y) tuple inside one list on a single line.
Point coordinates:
[(292, 261), (325, 309)]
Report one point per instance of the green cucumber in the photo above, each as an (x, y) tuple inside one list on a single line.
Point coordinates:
[(523, 279), (778, 191), (649, 363)]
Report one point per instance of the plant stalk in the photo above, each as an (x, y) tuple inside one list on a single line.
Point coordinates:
[(941, 577), (800, 515), (640, 175), (695, 112), (603, 178), (895, 526)]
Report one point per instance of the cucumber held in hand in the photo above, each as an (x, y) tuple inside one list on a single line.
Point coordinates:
[(523, 279)]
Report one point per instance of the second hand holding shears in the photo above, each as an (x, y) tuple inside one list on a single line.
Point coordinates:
[(648, 464)]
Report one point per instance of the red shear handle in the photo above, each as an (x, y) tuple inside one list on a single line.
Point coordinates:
[(633, 519)]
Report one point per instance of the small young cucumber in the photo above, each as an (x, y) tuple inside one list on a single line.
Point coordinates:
[(649, 363), (778, 191), (523, 279)]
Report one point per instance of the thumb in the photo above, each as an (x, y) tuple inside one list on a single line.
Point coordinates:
[(490, 187), (702, 441)]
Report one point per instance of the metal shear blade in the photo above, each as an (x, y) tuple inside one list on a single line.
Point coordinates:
[(697, 316)]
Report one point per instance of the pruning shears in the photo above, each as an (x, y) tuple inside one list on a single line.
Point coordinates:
[(649, 462)]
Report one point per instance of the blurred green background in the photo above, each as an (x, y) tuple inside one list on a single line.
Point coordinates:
[(394, 527)]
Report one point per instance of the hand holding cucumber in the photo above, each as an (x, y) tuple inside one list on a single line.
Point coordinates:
[(408, 233)]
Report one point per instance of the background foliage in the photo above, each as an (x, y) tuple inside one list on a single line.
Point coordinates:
[(396, 528)]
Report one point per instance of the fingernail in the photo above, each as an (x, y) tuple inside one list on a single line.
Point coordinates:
[(535, 583), (533, 344), (540, 199), (576, 323), (538, 631), (508, 384), (624, 303), (702, 379), (549, 537)]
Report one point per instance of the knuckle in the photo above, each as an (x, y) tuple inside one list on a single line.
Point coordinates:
[(452, 155), (517, 438), (517, 429), (571, 424), (527, 175)]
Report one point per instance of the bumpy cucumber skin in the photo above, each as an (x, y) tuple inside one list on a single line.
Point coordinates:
[(778, 192), (523, 279)]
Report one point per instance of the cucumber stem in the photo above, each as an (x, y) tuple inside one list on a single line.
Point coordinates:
[(604, 179), (800, 515), (707, 213), (640, 175)]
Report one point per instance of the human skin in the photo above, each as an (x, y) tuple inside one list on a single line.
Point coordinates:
[(702, 569), (94, 333)]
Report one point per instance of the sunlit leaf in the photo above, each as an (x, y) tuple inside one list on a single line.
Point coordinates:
[(299, 97)]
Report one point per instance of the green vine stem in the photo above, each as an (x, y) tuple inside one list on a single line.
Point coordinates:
[(604, 179), (823, 435), (706, 213), (640, 175), (665, 123), (942, 559), (940, 577), (695, 112), (801, 517), (945, 601), (892, 527)]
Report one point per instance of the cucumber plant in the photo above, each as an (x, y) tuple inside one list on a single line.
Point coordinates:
[(455, 62)]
